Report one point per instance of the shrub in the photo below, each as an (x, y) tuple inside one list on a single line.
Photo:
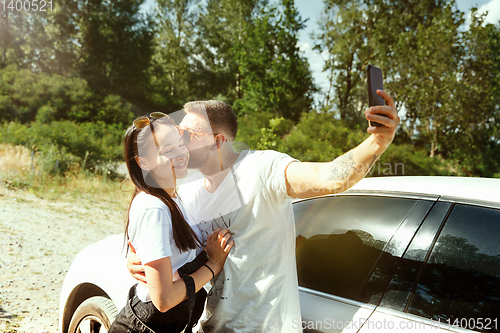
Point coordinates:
[(62, 146), (406, 160), (319, 137), (26, 96)]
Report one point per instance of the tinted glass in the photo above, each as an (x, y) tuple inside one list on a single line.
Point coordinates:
[(340, 239), (399, 291), (461, 281)]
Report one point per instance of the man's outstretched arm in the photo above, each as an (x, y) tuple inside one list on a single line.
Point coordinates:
[(309, 179)]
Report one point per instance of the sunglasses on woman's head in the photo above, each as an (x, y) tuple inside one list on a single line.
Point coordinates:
[(144, 121)]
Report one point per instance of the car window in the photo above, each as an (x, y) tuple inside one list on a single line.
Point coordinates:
[(401, 286), (340, 239), (460, 283)]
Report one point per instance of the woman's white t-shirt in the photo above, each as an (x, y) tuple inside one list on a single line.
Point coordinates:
[(150, 232)]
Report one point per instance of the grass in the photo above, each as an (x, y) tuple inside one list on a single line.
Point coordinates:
[(19, 174)]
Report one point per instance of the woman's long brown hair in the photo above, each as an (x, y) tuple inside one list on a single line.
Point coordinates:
[(184, 237)]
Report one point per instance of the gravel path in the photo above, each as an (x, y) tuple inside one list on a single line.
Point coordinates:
[(38, 241)]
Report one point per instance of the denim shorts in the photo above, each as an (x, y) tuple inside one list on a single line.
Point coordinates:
[(138, 316)]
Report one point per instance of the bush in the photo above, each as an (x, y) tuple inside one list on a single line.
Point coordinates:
[(26, 96), (62, 146), (250, 128), (23, 93), (318, 137), (406, 160)]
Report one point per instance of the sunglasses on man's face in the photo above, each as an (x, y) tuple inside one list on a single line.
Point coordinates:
[(188, 135), (144, 121)]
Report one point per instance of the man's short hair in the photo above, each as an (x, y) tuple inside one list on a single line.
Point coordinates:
[(220, 115)]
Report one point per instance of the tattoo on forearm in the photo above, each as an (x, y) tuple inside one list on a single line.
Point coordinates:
[(372, 163), (342, 167)]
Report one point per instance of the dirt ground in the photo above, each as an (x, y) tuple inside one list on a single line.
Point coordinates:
[(38, 241)]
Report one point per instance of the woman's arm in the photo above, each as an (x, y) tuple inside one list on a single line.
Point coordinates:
[(166, 293)]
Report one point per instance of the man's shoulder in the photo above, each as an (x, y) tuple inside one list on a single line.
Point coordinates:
[(258, 155), (265, 158), (262, 152)]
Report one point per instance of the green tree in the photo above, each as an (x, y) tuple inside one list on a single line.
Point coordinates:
[(26, 96), (348, 34), (84, 54), (422, 62), (63, 28), (40, 40), (174, 60), (275, 76), (16, 43), (222, 28), (475, 132), (116, 48)]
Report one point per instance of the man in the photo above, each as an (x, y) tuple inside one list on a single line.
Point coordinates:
[(250, 194)]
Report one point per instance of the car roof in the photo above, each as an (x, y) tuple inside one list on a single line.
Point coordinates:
[(469, 188)]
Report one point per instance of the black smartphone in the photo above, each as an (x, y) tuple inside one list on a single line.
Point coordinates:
[(375, 81)]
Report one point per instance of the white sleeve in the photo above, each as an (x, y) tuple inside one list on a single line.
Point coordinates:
[(151, 235), (271, 167)]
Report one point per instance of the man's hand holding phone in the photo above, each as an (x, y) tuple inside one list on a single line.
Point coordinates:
[(382, 114)]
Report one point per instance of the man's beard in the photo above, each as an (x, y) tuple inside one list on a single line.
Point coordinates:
[(198, 157)]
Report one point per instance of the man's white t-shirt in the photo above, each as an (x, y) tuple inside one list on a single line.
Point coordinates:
[(150, 232), (257, 291)]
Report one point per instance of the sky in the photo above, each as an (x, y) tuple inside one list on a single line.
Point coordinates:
[(312, 9)]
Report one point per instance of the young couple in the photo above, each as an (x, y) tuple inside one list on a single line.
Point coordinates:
[(244, 196)]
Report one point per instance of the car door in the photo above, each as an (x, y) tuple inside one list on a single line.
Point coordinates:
[(348, 247), (449, 279)]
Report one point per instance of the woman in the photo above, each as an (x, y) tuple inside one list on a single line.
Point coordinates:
[(159, 230)]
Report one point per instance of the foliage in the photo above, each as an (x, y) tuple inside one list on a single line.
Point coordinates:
[(222, 26), (171, 72), (427, 52), (20, 171), (107, 43), (64, 146), (116, 47), (275, 77), (250, 127), (472, 134), (320, 137), (347, 34), (407, 160), (436, 73), (25, 96), (72, 78)]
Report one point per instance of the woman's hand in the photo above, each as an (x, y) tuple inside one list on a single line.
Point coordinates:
[(217, 247), (135, 267), (166, 291)]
